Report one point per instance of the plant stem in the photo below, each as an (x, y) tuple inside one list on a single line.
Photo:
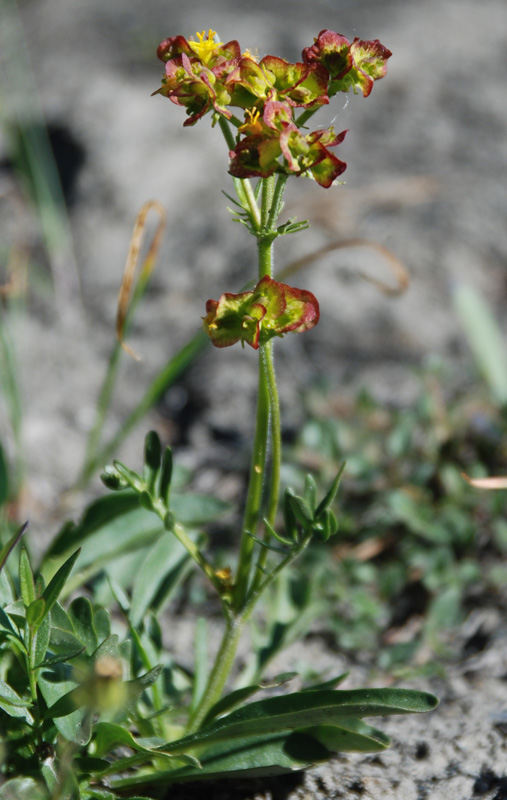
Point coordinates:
[(255, 487), (220, 672), (276, 456), (227, 651), (267, 431)]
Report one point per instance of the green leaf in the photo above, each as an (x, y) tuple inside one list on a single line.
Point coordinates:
[(102, 622), (485, 338), (197, 509), (152, 459), (167, 556), (41, 640), (166, 474), (81, 616), (65, 654), (252, 756), (108, 736), (138, 685), (301, 511), (350, 736), (305, 709), (76, 726), (109, 647), (22, 789), (236, 697), (332, 683), (13, 704), (35, 612), (57, 582), (26, 580), (11, 544), (98, 515), (331, 494), (60, 618)]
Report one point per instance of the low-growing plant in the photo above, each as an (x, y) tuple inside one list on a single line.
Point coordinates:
[(88, 712), (417, 548)]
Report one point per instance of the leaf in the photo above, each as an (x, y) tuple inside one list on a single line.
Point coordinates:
[(166, 475), (57, 582), (102, 622), (97, 515), (350, 736), (152, 459), (22, 789), (26, 581), (41, 640), (485, 339), (305, 709), (81, 616), (197, 509), (13, 704), (11, 544), (109, 647), (252, 756), (332, 683), (236, 697), (138, 685), (331, 494), (35, 612), (76, 726), (166, 556)]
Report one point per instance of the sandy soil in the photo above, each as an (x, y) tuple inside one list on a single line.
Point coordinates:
[(427, 156)]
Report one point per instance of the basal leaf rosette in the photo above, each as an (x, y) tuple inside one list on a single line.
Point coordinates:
[(270, 309), (355, 65)]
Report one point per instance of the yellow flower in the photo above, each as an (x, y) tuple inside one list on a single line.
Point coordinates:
[(206, 46)]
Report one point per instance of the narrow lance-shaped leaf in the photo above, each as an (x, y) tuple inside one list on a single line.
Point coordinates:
[(166, 474), (11, 544), (57, 582), (305, 709), (26, 580), (152, 459), (331, 494)]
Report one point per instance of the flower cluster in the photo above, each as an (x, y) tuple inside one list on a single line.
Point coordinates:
[(209, 76), (270, 309)]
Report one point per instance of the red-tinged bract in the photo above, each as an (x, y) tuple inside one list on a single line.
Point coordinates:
[(277, 97), (270, 309)]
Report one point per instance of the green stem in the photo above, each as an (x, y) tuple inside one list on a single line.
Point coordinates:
[(220, 672), (255, 487), (276, 457), (230, 640), (277, 201), (267, 429), (243, 186)]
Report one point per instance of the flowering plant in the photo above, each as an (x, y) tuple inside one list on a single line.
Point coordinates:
[(138, 735)]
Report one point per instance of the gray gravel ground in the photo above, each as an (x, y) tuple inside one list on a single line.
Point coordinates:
[(427, 155)]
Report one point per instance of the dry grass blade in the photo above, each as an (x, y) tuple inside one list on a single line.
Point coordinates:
[(498, 482), (126, 289), (397, 268), (17, 270)]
